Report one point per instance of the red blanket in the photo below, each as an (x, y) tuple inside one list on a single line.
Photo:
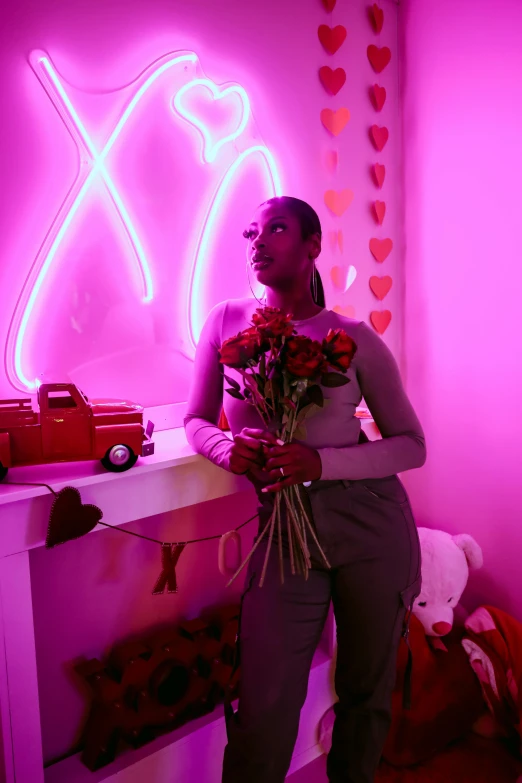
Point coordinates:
[(493, 642)]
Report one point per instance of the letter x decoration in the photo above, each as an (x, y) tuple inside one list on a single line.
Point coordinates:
[(93, 164)]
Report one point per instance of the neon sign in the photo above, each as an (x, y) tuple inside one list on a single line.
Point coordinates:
[(93, 164)]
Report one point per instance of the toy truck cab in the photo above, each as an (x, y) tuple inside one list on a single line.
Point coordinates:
[(68, 427)]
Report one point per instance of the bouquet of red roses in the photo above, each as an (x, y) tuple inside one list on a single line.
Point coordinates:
[(283, 373)]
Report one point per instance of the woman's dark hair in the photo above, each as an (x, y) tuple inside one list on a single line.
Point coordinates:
[(310, 224)]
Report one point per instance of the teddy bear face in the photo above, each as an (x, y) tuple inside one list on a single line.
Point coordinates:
[(446, 561)]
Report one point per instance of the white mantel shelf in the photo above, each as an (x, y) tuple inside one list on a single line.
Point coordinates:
[(173, 477)]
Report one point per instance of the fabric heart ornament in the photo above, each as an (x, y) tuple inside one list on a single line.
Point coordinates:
[(332, 38), (338, 201), (348, 310), (379, 137), (69, 518), (377, 96), (381, 286), (379, 58), (379, 208), (335, 121), (343, 277), (379, 172), (381, 249), (380, 320), (331, 159), (376, 17), (332, 81), (329, 5)]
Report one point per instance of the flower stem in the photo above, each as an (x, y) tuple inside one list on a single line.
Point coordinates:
[(247, 558)]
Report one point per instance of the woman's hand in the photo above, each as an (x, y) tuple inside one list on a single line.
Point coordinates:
[(291, 463), (247, 452)]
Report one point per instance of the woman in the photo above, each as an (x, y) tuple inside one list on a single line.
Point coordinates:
[(360, 511)]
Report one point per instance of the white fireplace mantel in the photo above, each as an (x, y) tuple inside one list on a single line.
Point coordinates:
[(174, 477)]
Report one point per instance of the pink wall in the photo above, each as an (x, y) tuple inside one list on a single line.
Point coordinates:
[(88, 322), (93, 592), (462, 116)]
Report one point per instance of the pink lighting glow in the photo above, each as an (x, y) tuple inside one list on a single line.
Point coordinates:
[(93, 163)]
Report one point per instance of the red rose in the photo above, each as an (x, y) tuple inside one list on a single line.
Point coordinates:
[(238, 351), (339, 349), (304, 357), (271, 322)]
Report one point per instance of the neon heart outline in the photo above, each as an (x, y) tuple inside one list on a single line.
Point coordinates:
[(209, 150)]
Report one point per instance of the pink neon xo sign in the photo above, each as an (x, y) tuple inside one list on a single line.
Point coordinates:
[(93, 165)]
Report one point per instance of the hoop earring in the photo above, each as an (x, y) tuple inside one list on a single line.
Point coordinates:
[(314, 284), (250, 285)]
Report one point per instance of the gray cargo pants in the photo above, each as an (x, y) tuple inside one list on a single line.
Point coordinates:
[(367, 531)]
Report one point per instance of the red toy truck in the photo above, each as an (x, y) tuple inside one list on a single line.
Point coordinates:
[(70, 428)]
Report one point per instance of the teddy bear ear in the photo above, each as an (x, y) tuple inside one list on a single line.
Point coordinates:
[(471, 549)]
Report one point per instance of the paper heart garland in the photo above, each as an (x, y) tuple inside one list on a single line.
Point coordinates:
[(343, 277), (376, 17), (335, 121), (332, 81), (332, 38), (379, 137), (331, 160), (336, 238), (348, 311), (379, 58), (381, 249), (380, 320), (69, 518), (379, 208), (329, 5), (381, 286), (338, 201), (377, 96), (379, 172)]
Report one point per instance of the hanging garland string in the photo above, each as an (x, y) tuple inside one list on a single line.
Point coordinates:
[(70, 519)]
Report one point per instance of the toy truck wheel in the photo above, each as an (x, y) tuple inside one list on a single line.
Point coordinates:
[(3, 472), (119, 458)]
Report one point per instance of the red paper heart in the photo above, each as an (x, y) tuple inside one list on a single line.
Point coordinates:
[(332, 38), (379, 208), (331, 159), (376, 17), (381, 286), (379, 58), (335, 121), (380, 320), (329, 5), (332, 81), (379, 172), (340, 240), (381, 249), (379, 137), (338, 201), (377, 96), (69, 518), (348, 311)]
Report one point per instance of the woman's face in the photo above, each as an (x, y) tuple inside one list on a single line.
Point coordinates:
[(277, 252)]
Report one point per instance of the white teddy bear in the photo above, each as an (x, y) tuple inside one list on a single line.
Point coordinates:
[(446, 561)]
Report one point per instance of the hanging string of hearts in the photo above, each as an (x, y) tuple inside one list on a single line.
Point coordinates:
[(335, 121), (70, 519), (379, 58)]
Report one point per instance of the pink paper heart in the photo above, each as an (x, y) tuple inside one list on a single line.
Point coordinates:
[(380, 320), (343, 277), (338, 201)]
